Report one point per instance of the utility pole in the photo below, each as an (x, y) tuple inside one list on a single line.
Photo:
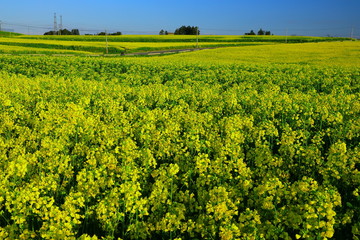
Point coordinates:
[(197, 37), (352, 32), (55, 24), (0, 25), (107, 45), (286, 37)]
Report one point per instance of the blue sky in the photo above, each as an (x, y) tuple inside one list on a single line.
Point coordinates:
[(306, 17)]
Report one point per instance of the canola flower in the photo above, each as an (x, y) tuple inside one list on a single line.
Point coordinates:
[(95, 148)]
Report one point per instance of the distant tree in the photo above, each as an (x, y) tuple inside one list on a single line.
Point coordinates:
[(50, 33), (104, 33), (261, 32), (183, 30), (166, 33), (65, 32), (267, 33), (162, 32), (250, 33), (178, 31), (75, 32), (115, 34)]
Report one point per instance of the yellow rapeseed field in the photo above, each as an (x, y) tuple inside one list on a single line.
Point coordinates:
[(251, 142)]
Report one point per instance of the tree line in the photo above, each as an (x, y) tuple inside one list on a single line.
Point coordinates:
[(64, 32), (111, 34), (191, 30), (260, 32), (183, 30)]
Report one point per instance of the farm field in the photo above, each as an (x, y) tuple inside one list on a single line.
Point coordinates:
[(247, 142), (87, 45)]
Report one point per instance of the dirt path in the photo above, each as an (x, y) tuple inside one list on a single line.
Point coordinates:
[(166, 51), (151, 53)]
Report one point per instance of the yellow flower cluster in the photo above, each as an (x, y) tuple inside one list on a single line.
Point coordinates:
[(97, 148)]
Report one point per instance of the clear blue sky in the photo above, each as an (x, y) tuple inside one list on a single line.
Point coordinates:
[(306, 17)]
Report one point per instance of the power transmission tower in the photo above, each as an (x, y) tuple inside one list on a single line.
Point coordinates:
[(61, 25), (55, 24)]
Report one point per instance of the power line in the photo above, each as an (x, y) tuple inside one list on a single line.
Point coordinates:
[(62, 27), (350, 31), (26, 25)]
